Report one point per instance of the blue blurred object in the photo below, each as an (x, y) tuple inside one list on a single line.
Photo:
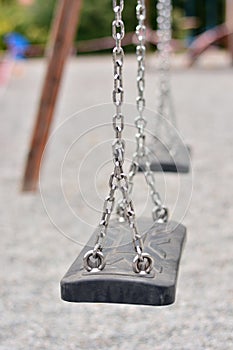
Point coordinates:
[(17, 44)]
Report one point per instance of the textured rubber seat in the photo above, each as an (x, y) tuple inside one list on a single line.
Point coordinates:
[(117, 283)]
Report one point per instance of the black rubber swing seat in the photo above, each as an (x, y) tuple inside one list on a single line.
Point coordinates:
[(162, 159), (117, 283)]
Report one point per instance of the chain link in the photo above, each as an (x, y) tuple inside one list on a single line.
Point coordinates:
[(118, 180), (159, 211), (164, 20)]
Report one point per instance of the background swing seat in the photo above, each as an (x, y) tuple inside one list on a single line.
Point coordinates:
[(117, 283), (162, 159)]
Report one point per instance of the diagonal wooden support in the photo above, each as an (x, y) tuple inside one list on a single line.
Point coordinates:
[(62, 35)]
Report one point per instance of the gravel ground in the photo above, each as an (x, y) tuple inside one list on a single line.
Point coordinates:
[(35, 255)]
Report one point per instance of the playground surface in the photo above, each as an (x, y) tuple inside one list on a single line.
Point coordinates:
[(34, 254)]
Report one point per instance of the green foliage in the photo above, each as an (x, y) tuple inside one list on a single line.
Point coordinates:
[(34, 21), (96, 19), (11, 18)]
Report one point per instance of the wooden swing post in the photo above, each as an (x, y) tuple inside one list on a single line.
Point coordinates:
[(62, 35)]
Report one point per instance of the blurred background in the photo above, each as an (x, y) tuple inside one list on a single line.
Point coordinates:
[(41, 222), (32, 19)]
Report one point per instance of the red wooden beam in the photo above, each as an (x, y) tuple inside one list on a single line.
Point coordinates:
[(62, 35)]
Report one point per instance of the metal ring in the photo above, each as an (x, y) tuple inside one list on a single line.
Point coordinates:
[(139, 266), (99, 261), (161, 214)]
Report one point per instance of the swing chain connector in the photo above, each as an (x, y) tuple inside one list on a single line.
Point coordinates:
[(160, 214), (94, 261), (143, 262)]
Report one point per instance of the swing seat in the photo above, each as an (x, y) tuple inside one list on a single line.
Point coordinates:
[(117, 283), (162, 159)]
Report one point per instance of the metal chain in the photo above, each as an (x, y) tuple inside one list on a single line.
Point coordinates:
[(164, 20), (159, 211), (118, 180)]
